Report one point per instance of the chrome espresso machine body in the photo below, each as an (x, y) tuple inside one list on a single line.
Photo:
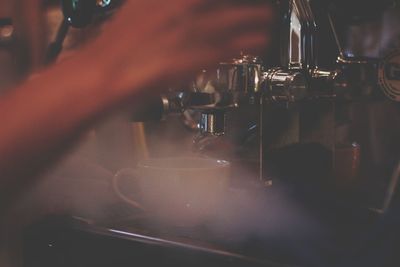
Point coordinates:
[(317, 115), (298, 106)]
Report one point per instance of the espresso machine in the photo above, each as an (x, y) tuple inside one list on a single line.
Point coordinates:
[(294, 112), (316, 116)]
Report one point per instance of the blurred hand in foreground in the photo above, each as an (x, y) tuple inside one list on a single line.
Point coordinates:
[(148, 44)]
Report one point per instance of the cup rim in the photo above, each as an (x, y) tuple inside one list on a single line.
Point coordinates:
[(217, 163)]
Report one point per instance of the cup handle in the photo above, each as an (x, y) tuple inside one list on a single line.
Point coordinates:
[(117, 191)]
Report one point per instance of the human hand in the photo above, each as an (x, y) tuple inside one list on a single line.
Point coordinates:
[(150, 43)]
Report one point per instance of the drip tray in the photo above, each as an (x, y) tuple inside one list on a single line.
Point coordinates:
[(70, 241), (128, 238)]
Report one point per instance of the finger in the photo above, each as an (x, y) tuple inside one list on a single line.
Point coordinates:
[(209, 5), (253, 44), (188, 62), (234, 16), (142, 17), (220, 18), (215, 28), (150, 11)]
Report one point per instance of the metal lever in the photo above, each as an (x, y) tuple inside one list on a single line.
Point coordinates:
[(287, 86)]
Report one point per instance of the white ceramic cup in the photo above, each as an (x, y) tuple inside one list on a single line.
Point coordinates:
[(181, 191)]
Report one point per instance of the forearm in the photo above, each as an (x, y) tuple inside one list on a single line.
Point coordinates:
[(43, 114)]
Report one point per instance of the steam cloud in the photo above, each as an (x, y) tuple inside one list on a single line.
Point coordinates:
[(81, 187)]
